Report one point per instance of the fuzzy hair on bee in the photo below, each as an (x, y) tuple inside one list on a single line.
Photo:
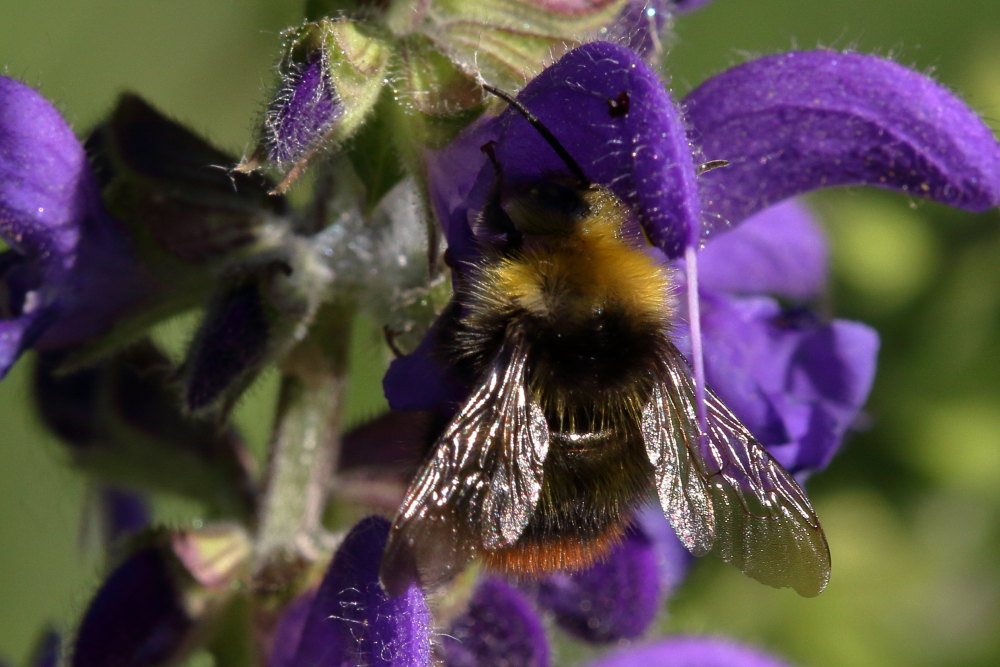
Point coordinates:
[(583, 408)]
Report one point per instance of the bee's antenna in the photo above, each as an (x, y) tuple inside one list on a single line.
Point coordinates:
[(542, 130)]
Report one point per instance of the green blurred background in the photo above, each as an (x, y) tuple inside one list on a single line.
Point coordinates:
[(912, 504)]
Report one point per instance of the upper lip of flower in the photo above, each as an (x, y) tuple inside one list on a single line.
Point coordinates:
[(46, 191)]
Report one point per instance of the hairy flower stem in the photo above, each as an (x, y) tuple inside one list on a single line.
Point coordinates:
[(303, 452)]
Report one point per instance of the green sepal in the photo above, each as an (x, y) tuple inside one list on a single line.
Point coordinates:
[(122, 422), (506, 42), (255, 317), (177, 193), (374, 154), (437, 99), (187, 216), (357, 60), (354, 61), (319, 9)]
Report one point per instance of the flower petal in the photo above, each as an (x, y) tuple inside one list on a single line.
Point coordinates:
[(499, 628), (799, 121), (288, 631), (615, 599), (45, 181), (19, 333), (780, 251), (69, 273), (352, 621), (797, 383), (624, 130), (691, 652), (137, 616), (419, 381)]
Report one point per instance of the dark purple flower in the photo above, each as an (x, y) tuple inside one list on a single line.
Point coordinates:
[(617, 598), (500, 627), (691, 652), (351, 621), (137, 617), (68, 271)]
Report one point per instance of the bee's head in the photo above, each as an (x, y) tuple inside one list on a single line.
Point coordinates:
[(547, 208), (552, 207)]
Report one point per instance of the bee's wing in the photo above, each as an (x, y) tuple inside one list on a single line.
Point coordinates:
[(480, 487), (725, 492)]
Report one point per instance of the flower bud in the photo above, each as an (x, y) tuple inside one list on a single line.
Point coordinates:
[(253, 320), (154, 606), (331, 76)]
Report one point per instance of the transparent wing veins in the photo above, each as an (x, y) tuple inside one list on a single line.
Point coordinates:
[(480, 487), (726, 493)]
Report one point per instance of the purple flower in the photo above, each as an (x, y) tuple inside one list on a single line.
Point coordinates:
[(138, 617), (68, 271), (500, 627), (349, 620), (691, 652), (617, 598), (796, 381), (787, 124)]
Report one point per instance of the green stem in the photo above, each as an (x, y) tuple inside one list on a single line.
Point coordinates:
[(303, 452)]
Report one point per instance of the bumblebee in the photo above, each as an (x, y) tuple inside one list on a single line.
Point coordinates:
[(582, 408)]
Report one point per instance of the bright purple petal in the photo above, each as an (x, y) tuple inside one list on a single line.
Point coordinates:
[(45, 190), (691, 652), (69, 272), (352, 621), (797, 383), (796, 122), (615, 599), (624, 128), (780, 251), (500, 627), (45, 182), (625, 131)]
